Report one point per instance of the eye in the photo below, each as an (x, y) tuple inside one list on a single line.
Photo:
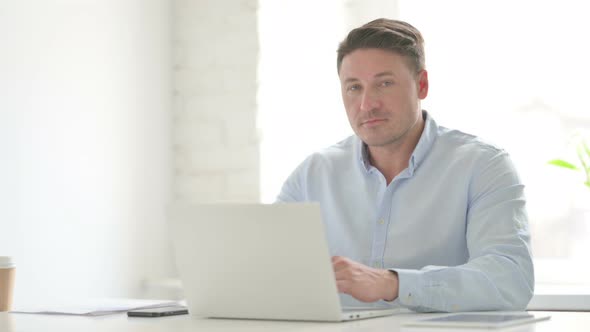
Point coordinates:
[(386, 83), (353, 87)]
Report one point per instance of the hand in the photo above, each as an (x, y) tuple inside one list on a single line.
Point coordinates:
[(364, 283)]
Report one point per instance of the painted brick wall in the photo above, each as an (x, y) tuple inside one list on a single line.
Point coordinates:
[(215, 140)]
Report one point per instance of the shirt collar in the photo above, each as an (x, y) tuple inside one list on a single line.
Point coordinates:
[(425, 142)]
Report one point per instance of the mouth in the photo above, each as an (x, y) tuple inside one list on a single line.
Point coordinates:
[(372, 122)]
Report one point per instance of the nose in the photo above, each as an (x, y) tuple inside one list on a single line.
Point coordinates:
[(369, 101)]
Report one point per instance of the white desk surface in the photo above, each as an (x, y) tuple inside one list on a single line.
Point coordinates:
[(560, 321)]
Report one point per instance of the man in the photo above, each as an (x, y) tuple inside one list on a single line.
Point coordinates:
[(416, 214)]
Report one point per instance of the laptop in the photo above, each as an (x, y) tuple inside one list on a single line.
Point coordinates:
[(255, 261)]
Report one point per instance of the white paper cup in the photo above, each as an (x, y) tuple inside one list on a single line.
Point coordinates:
[(7, 276)]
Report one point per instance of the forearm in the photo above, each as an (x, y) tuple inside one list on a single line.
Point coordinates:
[(490, 282), (499, 273)]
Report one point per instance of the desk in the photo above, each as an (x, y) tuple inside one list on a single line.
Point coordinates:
[(560, 321), (561, 297)]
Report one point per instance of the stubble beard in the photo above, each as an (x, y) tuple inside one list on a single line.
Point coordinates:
[(395, 139)]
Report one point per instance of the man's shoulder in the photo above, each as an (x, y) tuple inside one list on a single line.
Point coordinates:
[(346, 146), (336, 154), (458, 142)]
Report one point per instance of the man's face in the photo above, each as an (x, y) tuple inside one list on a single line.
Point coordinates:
[(381, 94)]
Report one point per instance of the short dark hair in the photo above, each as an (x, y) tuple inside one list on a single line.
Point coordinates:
[(385, 34)]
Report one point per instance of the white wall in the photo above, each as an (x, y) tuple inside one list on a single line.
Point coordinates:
[(215, 83), (84, 136)]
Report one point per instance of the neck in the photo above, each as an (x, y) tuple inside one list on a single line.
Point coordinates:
[(393, 158)]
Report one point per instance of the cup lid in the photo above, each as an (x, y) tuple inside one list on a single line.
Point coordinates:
[(6, 262)]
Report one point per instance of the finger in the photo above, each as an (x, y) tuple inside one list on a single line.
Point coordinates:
[(338, 267), (336, 259), (343, 286), (343, 269), (340, 262)]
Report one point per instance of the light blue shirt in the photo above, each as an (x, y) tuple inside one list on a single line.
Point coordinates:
[(453, 225)]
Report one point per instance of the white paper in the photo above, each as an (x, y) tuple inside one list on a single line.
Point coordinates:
[(94, 307)]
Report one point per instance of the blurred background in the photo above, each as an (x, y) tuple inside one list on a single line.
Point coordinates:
[(111, 109)]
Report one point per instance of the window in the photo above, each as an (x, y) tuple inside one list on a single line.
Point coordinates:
[(299, 93), (514, 73)]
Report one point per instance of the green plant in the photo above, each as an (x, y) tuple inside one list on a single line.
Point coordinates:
[(583, 151)]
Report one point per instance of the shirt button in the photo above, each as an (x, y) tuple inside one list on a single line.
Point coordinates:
[(381, 221), (376, 264)]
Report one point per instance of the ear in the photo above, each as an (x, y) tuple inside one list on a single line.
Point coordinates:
[(423, 84)]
